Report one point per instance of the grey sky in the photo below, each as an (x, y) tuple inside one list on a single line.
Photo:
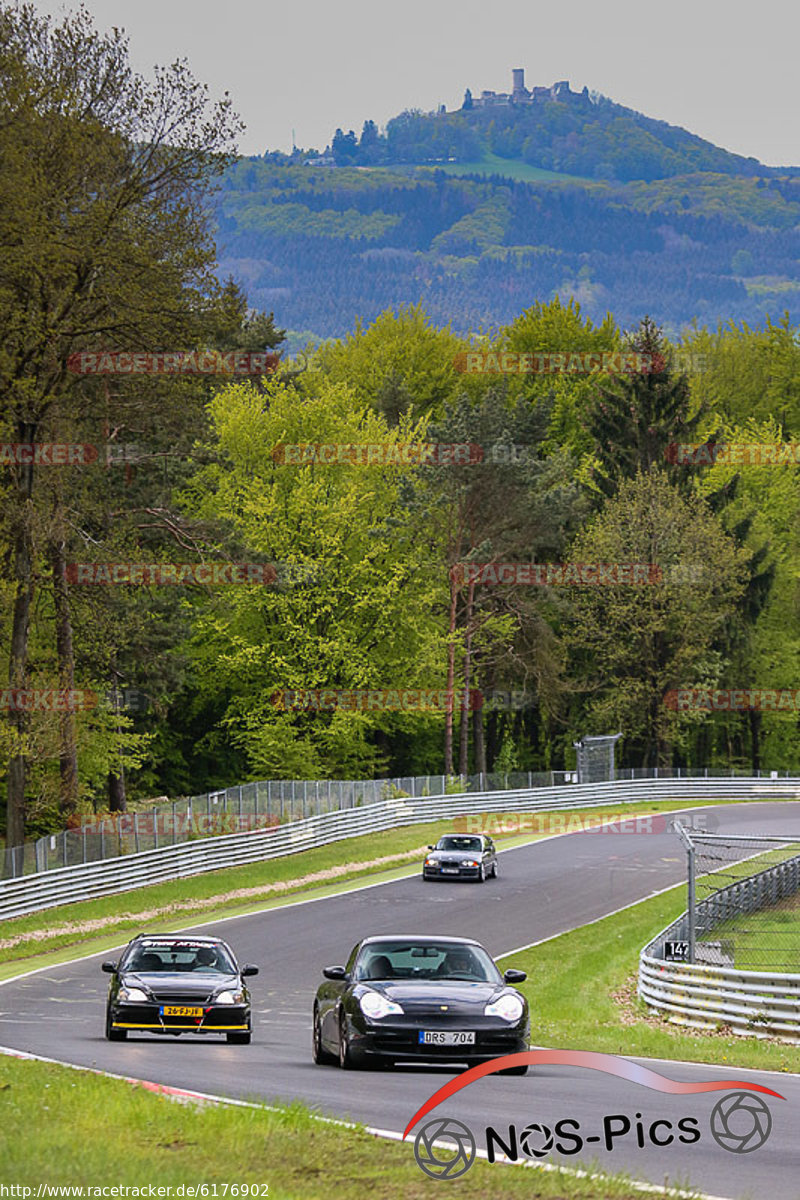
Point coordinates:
[(724, 69)]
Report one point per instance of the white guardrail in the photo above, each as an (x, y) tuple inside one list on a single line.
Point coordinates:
[(752, 1003), (709, 994), (47, 889)]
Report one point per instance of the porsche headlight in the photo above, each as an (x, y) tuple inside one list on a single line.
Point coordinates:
[(375, 1006), (509, 1007), (132, 995), (229, 998)]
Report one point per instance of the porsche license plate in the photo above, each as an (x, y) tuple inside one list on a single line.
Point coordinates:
[(179, 1010), (450, 1037)]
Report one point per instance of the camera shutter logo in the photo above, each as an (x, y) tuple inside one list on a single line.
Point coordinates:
[(444, 1162), (533, 1134), (740, 1122)]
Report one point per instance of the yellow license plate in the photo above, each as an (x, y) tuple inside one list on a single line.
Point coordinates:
[(179, 1010)]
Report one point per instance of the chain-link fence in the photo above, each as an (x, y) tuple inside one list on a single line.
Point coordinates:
[(743, 907), (266, 803), (247, 806)]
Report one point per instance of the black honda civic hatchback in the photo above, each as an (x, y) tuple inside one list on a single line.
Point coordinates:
[(173, 984), (408, 998)]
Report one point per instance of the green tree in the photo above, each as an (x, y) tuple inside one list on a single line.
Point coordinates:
[(633, 419), (631, 645), (400, 364), (360, 612), (109, 245)]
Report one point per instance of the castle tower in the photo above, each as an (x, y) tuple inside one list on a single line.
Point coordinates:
[(518, 83)]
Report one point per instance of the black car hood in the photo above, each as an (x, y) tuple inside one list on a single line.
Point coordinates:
[(184, 982), (415, 994)]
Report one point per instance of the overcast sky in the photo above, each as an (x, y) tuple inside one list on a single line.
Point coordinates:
[(724, 69)]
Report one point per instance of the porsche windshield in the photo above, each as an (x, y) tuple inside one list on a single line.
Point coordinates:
[(425, 960)]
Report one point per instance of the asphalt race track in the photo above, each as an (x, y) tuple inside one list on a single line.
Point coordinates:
[(543, 889)]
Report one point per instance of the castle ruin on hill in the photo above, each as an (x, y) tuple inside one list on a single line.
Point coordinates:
[(519, 94)]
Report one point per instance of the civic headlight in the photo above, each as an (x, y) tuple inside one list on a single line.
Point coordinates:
[(132, 995), (229, 998), (509, 1007), (375, 1006)]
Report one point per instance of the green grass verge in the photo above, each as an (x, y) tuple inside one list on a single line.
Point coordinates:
[(63, 1127), (582, 992), (768, 940), (97, 925)]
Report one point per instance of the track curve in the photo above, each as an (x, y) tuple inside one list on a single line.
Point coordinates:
[(544, 888)]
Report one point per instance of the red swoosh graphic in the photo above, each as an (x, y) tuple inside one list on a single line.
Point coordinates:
[(595, 1061)]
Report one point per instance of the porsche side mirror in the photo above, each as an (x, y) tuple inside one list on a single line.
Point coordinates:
[(110, 968), (512, 976), (249, 969), (334, 972)]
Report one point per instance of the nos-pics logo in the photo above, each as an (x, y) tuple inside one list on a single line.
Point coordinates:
[(445, 1148)]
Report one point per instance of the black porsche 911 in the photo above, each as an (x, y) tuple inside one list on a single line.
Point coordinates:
[(418, 998), (173, 984), (461, 856)]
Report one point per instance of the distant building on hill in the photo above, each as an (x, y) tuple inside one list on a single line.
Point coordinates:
[(519, 94)]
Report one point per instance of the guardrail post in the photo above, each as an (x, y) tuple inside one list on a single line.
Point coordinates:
[(691, 903), (155, 830)]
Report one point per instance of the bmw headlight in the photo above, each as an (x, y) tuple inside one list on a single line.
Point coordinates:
[(132, 995), (229, 998), (375, 1006), (509, 1007), (430, 862), (470, 862)]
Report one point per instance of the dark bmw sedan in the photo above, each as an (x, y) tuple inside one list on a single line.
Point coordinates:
[(175, 984), (461, 856), (418, 998)]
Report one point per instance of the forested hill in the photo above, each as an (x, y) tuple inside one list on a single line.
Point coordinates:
[(480, 212), (572, 132), (323, 247)]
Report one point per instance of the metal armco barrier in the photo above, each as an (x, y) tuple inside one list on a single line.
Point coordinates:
[(31, 893), (705, 997), (709, 994)]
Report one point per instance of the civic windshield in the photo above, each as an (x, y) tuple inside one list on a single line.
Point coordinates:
[(428, 960), (160, 956)]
